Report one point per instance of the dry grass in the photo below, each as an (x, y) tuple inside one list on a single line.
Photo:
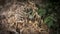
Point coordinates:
[(17, 20)]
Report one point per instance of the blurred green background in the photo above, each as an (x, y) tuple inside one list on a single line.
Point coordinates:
[(49, 10)]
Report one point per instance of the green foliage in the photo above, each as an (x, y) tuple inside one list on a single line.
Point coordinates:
[(49, 20), (49, 16), (50, 13), (41, 12)]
